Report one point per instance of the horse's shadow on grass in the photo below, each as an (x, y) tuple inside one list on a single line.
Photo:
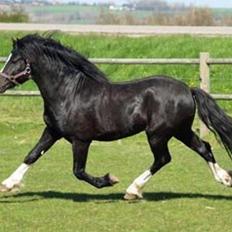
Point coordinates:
[(104, 198)]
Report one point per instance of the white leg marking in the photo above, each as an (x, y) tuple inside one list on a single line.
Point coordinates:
[(212, 168), (6, 62), (220, 174), (16, 177), (135, 189)]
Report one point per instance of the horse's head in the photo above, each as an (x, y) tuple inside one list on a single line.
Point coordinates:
[(16, 70)]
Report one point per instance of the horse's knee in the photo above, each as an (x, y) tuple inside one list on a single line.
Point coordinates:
[(33, 156)]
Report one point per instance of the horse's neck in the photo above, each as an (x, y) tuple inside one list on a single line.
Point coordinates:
[(56, 86)]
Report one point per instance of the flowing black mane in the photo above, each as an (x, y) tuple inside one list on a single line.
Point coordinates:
[(32, 45)]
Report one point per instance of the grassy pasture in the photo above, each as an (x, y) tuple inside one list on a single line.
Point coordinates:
[(182, 197)]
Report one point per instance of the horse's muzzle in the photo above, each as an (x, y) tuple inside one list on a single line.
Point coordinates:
[(5, 84), (9, 81)]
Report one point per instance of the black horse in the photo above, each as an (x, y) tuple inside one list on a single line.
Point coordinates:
[(81, 105)]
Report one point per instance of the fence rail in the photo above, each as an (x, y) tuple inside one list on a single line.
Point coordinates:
[(204, 61)]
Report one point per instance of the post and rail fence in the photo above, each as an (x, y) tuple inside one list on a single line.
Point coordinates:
[(204, 61)]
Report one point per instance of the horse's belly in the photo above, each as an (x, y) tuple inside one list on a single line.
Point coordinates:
[(117, 129)]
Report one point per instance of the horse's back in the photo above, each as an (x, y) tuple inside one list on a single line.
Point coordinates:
[(154, 102), (160, 88)]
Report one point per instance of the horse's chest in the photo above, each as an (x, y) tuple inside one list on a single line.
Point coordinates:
[(57, 119)]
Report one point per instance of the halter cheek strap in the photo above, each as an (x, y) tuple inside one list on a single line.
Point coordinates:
[(26, 73)]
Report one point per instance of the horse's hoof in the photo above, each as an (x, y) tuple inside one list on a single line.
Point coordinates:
[(113, 179), (16, 188), (229, 179), (131, 196), (4, 189)]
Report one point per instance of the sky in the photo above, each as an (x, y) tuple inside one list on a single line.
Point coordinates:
[(209, 3)]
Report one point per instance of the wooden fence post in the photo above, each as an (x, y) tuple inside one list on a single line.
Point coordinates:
[(204, 84)]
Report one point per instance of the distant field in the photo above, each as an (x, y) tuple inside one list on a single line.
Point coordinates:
[(82, 14), (183, 197), (72, 13), (79, 14), (222, 12)]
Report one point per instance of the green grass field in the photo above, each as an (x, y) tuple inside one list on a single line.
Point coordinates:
[(182, 197), (78, 14), (59, 13)]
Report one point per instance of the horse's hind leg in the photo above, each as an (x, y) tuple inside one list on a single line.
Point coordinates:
[(203, 148), (162, 157)]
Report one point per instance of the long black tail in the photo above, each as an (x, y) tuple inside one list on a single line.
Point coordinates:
[(214, 117)]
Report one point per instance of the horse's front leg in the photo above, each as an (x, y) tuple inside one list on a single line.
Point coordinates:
[(80, 153), (47, 139)]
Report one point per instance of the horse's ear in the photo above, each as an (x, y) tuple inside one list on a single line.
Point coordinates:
[(17, 43), (14, 42)]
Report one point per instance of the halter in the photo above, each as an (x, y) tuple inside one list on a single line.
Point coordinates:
[(26, 73)]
